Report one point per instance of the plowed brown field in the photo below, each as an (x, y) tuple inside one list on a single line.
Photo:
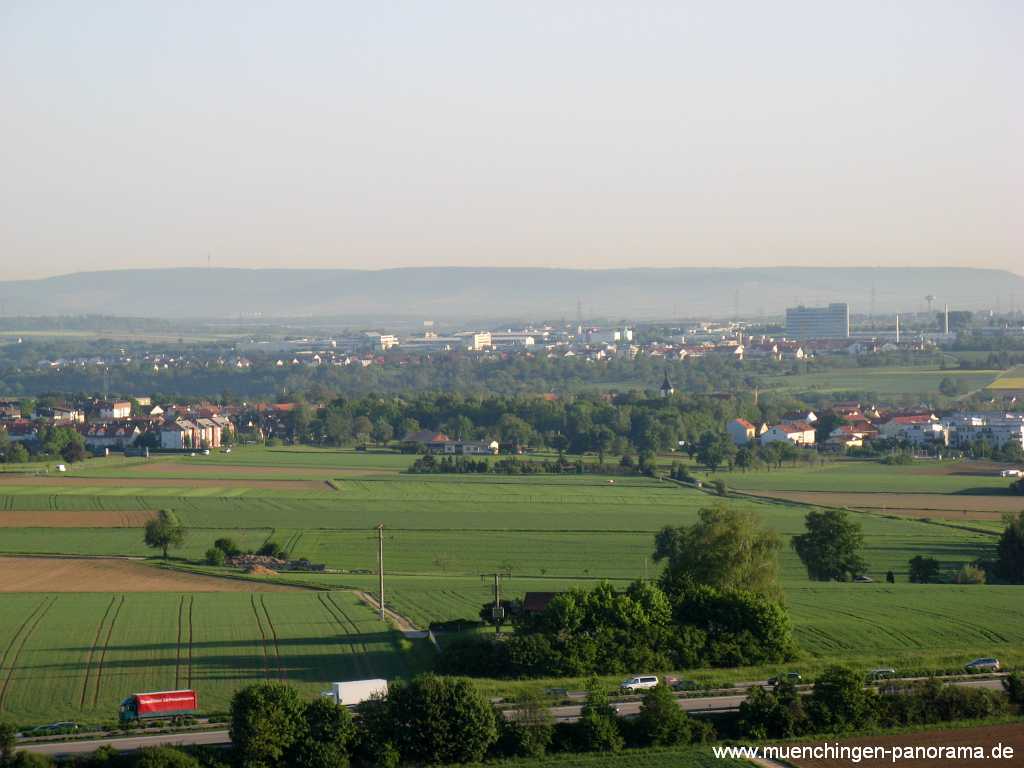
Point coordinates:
[(943, 506), (59, 574)]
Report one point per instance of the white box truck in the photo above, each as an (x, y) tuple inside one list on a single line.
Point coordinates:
[(352, 692)]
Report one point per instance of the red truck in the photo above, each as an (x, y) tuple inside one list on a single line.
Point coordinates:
[(149, 706)]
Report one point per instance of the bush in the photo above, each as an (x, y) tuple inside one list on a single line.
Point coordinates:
[(1013, 684), (8, 734), (431, 720), (597, 730), (839, 701), (228, 547), (165, 757), (30, 760), (270, 549), (267, 720), (528, 731), (970, 574), (661, 722), (777, 714), (214, 556)]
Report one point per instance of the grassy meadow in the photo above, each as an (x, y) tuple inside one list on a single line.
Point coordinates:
[(890, 381)]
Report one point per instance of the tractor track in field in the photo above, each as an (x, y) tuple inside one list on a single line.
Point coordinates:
[(333, 610), (92, 650), (263, 635), (177, 657), (103, 653), (281, 673), (21, 638), (191, 602)]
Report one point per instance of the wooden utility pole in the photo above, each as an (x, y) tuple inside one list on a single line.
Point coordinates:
[(380, 566)]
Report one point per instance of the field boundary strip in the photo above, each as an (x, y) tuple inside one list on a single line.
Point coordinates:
[(103, 653), (332, 610), (92, 650), (24, 634)]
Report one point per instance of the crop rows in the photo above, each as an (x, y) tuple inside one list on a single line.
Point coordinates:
[(79, 658)]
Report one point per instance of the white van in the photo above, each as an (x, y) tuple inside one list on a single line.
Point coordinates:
[(639, 683)]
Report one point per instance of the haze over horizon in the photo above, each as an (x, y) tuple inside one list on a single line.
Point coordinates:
[(582, 135)]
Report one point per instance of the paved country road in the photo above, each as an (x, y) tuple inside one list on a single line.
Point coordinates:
[(724, 703)]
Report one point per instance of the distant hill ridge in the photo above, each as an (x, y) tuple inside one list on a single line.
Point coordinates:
[(491, 292)]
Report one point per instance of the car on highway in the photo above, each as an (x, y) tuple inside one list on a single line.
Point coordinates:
[(789, 677), (987, 664), (882, 673), (685, 685), (639, 683), (52, 729)]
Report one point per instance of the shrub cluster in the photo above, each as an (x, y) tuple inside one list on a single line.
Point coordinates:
[(840, 703), (604, 631)]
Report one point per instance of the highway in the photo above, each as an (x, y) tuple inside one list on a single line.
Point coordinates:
[(728, 702)]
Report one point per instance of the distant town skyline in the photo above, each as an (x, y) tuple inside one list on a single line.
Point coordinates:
[(581, 135)]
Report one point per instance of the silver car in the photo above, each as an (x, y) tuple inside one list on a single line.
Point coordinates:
[(983, 665)]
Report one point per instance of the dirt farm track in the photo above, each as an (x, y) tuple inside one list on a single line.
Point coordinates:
[(59, 574)]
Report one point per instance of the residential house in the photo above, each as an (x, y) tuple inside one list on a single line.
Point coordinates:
[(10, 410), (117, 435), (179, 435), (796, 432), (113, 410), (60, 414), (20, 430), (997, 429), (741, 431)]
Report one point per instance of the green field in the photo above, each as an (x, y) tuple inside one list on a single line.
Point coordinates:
[(441, 534), (887, 381), (865, 476), (76, 656), (1011, 379)]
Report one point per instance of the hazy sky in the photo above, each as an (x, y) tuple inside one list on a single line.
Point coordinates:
[(560, 133)]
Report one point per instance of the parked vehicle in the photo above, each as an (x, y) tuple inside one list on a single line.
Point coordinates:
[(639, 683), (882, 673), (151, 706), (789, 677), (987, 664), (352, 692), (862, 579)]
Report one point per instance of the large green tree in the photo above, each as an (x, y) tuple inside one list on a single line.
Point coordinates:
[(661, 722), (164, 532), (831, 547), (267, 721), (1009, 565), (726, 547), (433, 720)]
